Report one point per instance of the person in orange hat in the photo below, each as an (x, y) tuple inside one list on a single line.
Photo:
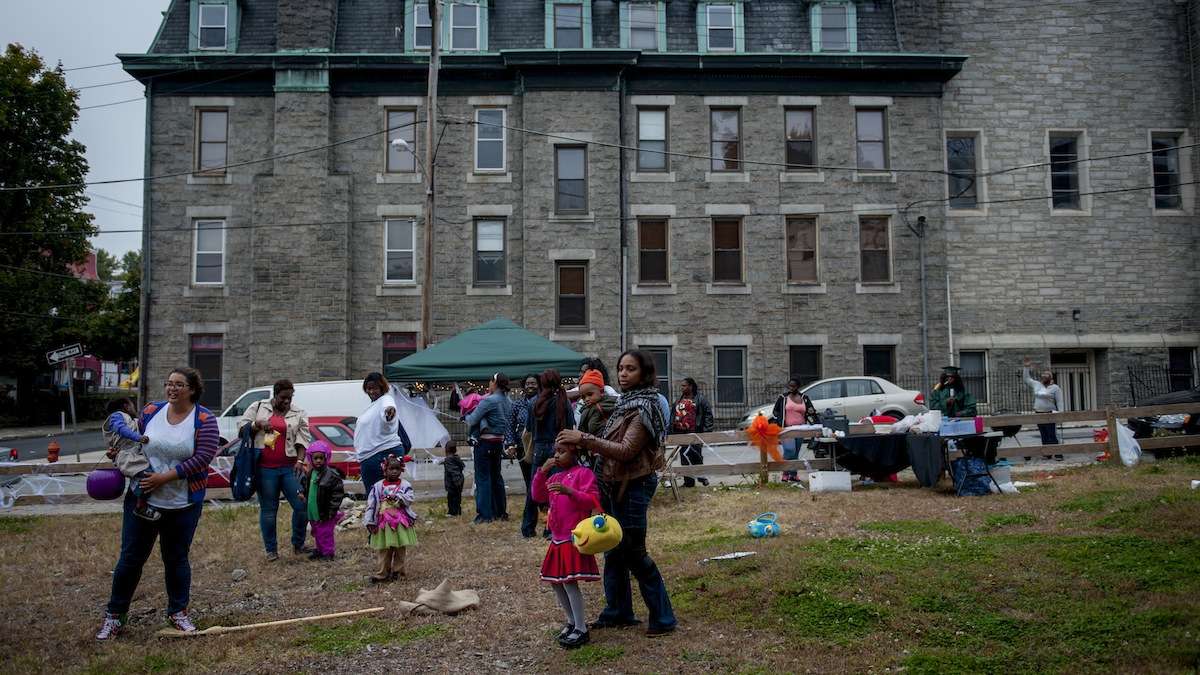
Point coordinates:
[(597, 403)]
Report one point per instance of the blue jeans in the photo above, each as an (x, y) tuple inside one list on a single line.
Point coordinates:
[(174, 530), (371, 469), (630, 556), (791, 450), (541, 453), (487, 469), (270, 482)]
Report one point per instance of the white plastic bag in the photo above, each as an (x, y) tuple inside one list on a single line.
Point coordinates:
[(904, 425), (930, 422), (1131, 452)]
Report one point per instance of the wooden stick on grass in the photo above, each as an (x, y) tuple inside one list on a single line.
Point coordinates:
[(219, 630)]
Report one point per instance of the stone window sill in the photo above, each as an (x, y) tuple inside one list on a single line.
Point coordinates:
[(653, 289), (801, 176), (573, 217), (875, 177), (652, 177), (1070, 213), (489, 290), (397, 178), (489, 177), (726, 177), (869, 289), (397, 290), (727, 289), (201, 179), (206, 291), (1172, 213), (573, 335), (966, 213), (805, 289)]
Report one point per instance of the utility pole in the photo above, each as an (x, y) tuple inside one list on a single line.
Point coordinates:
[(921, 227), (430, 127)]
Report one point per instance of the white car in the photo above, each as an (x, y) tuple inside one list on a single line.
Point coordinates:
[(340, 398), (854, 397)]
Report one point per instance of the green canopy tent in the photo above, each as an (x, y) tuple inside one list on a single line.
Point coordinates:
[(480, 352)]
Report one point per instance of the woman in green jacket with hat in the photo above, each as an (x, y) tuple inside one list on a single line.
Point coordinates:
[(950, 395)]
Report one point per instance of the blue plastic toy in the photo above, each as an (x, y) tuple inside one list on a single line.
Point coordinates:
[(764, 525)]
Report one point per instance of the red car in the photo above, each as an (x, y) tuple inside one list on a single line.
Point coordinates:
[(338, 432)]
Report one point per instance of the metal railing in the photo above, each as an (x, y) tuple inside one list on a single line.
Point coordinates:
[(1150, 381)]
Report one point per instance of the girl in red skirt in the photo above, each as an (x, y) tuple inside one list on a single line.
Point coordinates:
[(572, 494)]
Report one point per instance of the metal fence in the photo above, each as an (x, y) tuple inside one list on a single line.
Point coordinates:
[(1149, 381)]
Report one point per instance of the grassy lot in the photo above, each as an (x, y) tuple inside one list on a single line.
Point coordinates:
[(1097, 569)]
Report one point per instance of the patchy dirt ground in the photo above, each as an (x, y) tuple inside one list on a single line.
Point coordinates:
[(1097, 569)]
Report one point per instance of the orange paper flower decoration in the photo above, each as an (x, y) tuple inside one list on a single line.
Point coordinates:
[(764, 435)]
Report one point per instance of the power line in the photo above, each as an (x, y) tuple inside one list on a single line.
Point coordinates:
[(47, 316), (601, 219), (241, 73), (234, 165), (40, 272), (112, 199)]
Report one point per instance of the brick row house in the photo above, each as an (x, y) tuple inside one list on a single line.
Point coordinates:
[(781, 158)]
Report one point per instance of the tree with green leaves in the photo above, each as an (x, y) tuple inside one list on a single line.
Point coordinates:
[(112, 333), (106, 265), (44, 230)]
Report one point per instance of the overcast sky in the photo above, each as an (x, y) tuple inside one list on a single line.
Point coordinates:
[(83, 33)]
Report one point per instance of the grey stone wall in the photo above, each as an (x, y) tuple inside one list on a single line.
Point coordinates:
[(1020, 270), (306, 24)]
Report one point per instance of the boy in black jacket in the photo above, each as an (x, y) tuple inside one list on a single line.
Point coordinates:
[(323, 492), (453, 467)]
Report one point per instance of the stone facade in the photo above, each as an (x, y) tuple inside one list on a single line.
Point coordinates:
[(304, 294)]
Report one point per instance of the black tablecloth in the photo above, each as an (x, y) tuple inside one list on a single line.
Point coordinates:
[(873, 453), (880, 454)]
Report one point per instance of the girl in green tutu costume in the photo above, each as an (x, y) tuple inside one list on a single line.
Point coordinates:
[(390, 519)]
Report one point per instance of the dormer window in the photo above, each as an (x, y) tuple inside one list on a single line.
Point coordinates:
[(834, 27), (644, 26), (720, 26), (462, 26), (213, 25), (568, 24)]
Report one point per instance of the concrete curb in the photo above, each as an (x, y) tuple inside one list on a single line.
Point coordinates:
[(21, 433)]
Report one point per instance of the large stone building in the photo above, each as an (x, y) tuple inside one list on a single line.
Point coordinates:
[(807, 143)]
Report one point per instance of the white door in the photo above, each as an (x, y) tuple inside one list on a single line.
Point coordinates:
[(1074, 372)]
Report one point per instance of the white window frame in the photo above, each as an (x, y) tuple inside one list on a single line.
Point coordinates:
[(1085, 200), (412, 249), (666, 139), (659, 29), (200, 26), (450, 7), (1186, 202), (885, 111), (503, 222), (196, 250), (889, 217), (744, 351), (417, 24), (666, 350), (199, 143), (816, 21), (708, 26), (980, 207), (503, 168), (393, 134)]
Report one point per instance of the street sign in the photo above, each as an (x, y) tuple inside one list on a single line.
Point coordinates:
[(63, 353)]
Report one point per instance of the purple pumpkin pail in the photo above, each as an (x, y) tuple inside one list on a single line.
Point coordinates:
[(105, 484)]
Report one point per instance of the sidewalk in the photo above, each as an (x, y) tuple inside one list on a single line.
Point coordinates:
[(17, 433)]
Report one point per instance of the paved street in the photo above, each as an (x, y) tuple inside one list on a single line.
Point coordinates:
[(35, 448)]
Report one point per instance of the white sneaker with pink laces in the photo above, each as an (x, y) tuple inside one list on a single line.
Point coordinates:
[(182, 622), (111, 627)]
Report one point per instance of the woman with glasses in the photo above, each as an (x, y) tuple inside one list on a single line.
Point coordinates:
[(183, 439)]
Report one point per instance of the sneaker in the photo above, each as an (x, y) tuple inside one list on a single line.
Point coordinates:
[(113, 623), (182, 622), (704, 481), (301, 549), (272, 556), (147, 512), (315, 555), (659, 631)]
